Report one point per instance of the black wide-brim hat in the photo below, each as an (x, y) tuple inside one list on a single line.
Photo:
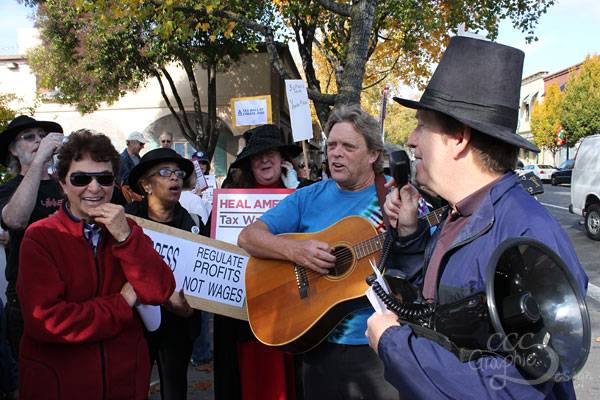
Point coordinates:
[(154, 157), (478, 83), (17, 126), (263, 138)]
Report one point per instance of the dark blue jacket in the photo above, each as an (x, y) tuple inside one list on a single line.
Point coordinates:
[(420, 368), (126, 167)]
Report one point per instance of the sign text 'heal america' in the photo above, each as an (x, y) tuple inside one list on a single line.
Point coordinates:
[(234, 209), (203, 271)]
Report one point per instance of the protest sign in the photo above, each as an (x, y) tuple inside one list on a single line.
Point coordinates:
[(201, 183), (207, 194), (299, 109), (211, 272), (249, 111), (234, 209)]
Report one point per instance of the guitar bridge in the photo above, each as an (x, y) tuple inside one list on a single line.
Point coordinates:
[(301, 280)]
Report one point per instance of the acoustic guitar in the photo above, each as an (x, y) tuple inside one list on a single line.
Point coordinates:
[(294, 308)]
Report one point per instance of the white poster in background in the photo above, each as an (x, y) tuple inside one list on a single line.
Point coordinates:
[(201, 183), (234, 209), (207, 194), (251, 112), (203, 271), (299, 109)]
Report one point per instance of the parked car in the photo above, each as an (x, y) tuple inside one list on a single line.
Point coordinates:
[(563, 173), (542, 171), (585, 185)]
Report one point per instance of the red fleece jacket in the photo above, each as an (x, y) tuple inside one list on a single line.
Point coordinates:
[(82, 340)]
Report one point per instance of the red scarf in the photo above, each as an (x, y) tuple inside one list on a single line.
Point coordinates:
[(278, 184)]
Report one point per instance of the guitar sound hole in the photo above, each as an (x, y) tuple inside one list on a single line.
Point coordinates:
[(343, 261)]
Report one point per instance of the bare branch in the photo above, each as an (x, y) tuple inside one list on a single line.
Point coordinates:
[(333, 6), (386, 74), (186, 122), (168, 102)]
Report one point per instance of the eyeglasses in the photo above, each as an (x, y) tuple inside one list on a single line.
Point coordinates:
[(300, 165), (165, 141), (30, 136), (81, 179), (166, 173)]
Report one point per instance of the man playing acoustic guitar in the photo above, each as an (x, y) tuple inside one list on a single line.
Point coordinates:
[(342, 366)]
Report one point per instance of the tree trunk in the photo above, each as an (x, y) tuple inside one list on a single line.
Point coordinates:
[(358, 48), (212, 132)]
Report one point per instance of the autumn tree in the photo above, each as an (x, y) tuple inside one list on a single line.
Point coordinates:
[(365, 41), (90, 61), (545, 120), (580, 107)]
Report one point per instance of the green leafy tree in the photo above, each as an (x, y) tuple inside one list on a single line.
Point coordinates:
[(545, 120), (91, 59), (580, 107), (364, 41)]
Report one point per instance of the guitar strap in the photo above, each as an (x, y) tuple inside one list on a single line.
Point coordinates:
[(381, 193)]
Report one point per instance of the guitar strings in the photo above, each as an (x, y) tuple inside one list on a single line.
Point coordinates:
[(346, 256)]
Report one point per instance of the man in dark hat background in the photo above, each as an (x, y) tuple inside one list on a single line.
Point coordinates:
[(466, 149), (342, 366), (26, 147)]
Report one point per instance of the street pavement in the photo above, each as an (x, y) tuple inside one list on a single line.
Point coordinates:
[(200, 383), (557, 199)]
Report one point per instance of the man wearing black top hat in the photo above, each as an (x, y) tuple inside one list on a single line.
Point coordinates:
[(466, 148), (26, 147)]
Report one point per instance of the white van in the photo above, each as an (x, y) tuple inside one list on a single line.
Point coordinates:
[(585, 185)]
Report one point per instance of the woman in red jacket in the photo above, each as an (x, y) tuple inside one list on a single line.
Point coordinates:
[(81, 272)]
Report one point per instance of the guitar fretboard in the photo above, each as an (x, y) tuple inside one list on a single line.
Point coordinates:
[(374, 244)]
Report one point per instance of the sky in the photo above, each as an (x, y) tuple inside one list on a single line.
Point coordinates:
[(567, 34)]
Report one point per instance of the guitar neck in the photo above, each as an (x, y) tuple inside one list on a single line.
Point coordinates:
[(435, 217), (375, 244)]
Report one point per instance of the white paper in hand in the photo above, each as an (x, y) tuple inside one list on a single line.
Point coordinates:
[(150, 315), (376, 302)]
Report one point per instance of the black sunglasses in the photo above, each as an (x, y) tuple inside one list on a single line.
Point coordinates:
[(84, 178)]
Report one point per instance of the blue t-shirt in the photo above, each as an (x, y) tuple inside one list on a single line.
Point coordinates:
[(316, 207)]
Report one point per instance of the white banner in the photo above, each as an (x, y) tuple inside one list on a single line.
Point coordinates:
[(250, 112), (299, 109), (203, 271)]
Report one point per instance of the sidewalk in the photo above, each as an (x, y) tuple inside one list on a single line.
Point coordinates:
[(200, 383)]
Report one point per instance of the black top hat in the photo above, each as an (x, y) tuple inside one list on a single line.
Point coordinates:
[(154, 157), (263, 138), (17, 126), (478, 83)]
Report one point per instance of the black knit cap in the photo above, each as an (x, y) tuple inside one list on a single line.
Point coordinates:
[(478, 83), (17, 126), (263, 138), (154, 157)]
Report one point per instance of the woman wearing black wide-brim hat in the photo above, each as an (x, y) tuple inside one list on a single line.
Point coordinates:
[(244, 367), (160, 177), (265, 161)]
